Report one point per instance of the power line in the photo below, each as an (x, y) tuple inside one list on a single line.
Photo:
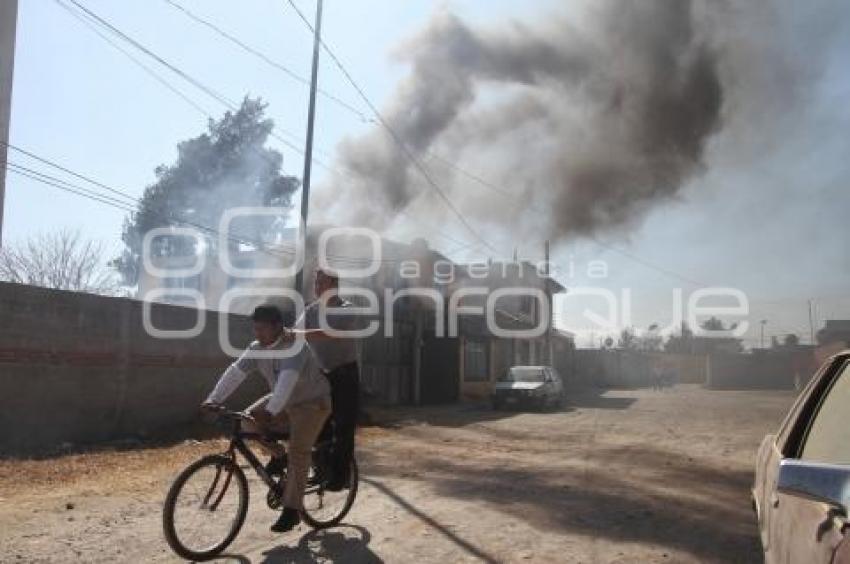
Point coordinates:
[(505, 192), (91, 20), (88, 23), (71, 172), (470, 175), (95, 19), (233, 106), (265, 58), (292, 74), (128, 207), (45, 180), (191, 80), (399, 142)]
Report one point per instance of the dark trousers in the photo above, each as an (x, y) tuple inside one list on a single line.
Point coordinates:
[(345, 401)]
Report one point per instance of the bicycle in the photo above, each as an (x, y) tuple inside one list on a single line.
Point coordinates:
[(201, 490)]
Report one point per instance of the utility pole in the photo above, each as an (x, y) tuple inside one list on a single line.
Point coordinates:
[(811, 323), (308, 148), (763, 323), (8, 23), (549, 299)]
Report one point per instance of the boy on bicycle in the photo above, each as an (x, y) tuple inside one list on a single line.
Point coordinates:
[(299, 402)]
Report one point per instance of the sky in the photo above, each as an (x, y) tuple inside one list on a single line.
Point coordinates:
[(770, 221)]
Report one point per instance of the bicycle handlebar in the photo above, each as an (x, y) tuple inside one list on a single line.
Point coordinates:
[(221, 412)]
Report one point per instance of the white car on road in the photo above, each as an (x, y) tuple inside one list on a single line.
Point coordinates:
[(535, 386)]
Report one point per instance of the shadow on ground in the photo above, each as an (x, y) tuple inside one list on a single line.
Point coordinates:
[(481, 411), (345, 543), (631, 494)]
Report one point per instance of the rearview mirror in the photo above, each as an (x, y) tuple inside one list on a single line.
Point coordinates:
[(824, 483)]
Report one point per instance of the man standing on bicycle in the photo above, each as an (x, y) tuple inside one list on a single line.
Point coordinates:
[(336, 356), (299, 402)]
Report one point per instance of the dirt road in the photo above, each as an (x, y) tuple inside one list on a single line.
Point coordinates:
[(620, 476)]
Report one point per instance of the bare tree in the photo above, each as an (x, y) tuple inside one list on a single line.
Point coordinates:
[(63, 260)]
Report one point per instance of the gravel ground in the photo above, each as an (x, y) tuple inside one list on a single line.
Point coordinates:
[(619, 476)]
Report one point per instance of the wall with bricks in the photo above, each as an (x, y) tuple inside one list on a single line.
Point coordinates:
[(81, 368)]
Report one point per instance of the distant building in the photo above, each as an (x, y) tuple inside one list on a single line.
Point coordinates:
[(485, 356)]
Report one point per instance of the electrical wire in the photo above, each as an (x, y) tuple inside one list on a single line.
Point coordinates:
[(268, 60), (470, 175), (396, 138), (279, 250)]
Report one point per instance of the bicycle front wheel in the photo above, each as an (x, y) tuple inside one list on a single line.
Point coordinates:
[(205, 508)]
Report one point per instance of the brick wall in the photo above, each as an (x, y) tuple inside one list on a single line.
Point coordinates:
[(80, 368)]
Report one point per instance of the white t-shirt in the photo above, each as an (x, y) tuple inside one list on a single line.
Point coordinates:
[(292, 380)]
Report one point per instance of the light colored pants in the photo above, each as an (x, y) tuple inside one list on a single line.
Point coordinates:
[(304, 422)]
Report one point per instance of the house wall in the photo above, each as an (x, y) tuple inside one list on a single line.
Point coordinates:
[(477, 389), (80, 368), (501, 354), (387, 366)]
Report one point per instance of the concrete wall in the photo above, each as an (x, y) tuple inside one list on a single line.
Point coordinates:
[(750, 372), (80, 368), (688, 369), (611, 369)]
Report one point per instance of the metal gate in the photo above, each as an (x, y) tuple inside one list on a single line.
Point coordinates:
[(440, 376)]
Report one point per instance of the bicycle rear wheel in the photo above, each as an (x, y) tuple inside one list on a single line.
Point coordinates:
[(205, 508), (324, 508)]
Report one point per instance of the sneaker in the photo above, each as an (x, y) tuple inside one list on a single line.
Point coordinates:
[(287, 521), (276, 466)]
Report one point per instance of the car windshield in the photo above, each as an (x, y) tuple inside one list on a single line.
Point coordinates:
[(524, 375)]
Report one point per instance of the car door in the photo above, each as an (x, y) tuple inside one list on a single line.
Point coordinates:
[(770, 455), (806, 528)]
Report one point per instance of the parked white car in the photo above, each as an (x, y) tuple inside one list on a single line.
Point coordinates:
[(534, 386), (801, 494)]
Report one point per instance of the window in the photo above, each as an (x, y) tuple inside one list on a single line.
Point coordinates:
[(524, 374), (828, 436), (475, 362)]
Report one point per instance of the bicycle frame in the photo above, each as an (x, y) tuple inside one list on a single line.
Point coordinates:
[(238, 444)]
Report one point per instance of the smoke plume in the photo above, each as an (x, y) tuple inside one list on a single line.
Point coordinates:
[(583, 122)]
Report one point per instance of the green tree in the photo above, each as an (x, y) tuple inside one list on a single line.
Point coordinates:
[(227, 166)]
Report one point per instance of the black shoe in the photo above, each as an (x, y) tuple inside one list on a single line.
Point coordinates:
[(287, 521), (276, 466), (336, 485)]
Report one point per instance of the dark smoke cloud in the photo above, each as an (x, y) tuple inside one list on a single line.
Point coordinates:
[(592, 118)]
